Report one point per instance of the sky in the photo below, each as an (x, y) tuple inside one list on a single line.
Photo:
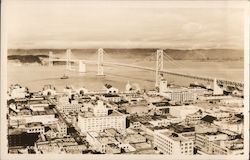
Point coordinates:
[(64, 24)]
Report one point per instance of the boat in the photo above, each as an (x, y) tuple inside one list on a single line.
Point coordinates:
[(65, 77)]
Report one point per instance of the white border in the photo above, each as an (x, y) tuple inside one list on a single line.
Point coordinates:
[(178, 4)]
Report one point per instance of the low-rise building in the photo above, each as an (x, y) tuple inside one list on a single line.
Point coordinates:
[(233, 102), (48, 90), (227, 147), (111, 97), (66, 105), (35, 127), (109, 89), (194, 118), (62, 129), (218, 143), (26, 115), (172, 143), (134, 138), (102, 144), (202, 140), (183, 111), (16, 92)]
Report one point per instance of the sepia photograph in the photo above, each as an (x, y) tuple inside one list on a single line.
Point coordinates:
[(124, 79)]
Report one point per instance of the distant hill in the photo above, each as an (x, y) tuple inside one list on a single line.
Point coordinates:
[(27, 58), (35, 55)]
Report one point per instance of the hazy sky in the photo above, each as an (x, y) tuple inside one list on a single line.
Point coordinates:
[(91, 25)]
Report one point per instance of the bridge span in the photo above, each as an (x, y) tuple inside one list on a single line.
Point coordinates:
[(222, 82)]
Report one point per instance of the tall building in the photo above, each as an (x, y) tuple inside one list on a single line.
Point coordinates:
[(172, 143), (101, 118), (163, 85), (217, 89)]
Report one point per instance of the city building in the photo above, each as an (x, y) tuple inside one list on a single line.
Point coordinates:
[(48, 90), (16, 91), (101, 118), (107, 88), (236, 126), (111, 97), (82, 91), (20, 138), (69, 90), (139, 108), (163, 87), (66, 104), (218, 143), (62, 129), (134, 138), (34, 127), (217, 89), (131, 88), (172, 143), (234, 101), (227, 147), (194, 118), (102, 144), (179, 95), (183, 111), (38, 105), (26, 115)]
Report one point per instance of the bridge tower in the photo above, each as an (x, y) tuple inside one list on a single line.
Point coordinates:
[(68, 57), (100, 68), (50, 58), (159, 67)]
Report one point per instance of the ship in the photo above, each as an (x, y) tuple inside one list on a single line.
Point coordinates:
[(65, 77)]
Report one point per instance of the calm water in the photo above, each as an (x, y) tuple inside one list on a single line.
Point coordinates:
[(35, 76)]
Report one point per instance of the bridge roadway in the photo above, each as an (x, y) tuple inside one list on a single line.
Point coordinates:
[(208, 79)]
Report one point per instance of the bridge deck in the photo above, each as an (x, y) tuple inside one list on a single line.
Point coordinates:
[(209, 79)]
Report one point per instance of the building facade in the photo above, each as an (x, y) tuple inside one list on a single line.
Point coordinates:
[(172, 143)]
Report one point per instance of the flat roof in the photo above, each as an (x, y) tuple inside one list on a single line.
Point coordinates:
[(174, 136), (34, 124), (46, 111), (88, 114)]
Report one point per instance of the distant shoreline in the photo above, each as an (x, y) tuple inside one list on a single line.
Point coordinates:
[(36, 55)]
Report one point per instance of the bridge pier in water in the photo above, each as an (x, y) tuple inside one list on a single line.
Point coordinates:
[(82, 67)]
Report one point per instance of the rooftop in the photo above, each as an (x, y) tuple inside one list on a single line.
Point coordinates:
[(34, 124), (208, 118), (45, 112), (111, 95), (88, 114), (174, 136)]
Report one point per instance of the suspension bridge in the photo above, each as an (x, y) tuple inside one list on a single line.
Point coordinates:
[(160, 56)]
